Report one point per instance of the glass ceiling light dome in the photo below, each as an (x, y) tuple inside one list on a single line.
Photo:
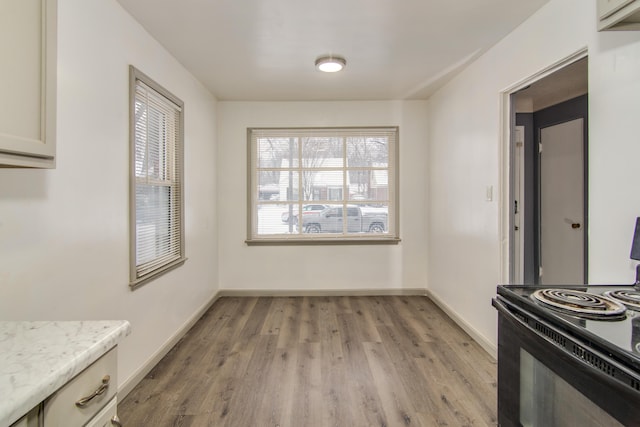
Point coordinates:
[(330, 64)]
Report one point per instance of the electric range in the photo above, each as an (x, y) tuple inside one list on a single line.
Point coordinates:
[(564, 347)]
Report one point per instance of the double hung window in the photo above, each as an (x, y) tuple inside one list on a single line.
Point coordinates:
[(156, 183), (323, 184)]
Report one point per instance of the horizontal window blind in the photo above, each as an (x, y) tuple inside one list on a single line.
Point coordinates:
[(157, 182), (310, 184)]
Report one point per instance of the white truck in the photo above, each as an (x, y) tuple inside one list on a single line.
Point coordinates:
[(360, 219)]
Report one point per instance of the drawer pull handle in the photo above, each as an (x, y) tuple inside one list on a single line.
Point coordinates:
[(115, 421), (81, 403)]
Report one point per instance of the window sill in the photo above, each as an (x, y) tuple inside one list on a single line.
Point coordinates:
[(135, 284), (321, 241)]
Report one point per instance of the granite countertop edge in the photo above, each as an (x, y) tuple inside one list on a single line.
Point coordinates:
[(39, 357)]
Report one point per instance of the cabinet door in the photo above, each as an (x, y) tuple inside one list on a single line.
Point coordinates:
[(27, 82), (608, 7), (105, 417), (618, 15)]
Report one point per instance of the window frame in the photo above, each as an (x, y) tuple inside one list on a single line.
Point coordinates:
[(392, 236), (173, 159)]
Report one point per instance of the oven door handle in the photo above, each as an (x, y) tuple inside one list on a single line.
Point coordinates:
[(499, 305), (511, 316)]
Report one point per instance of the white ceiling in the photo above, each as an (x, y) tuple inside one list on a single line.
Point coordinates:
[(264, 50)]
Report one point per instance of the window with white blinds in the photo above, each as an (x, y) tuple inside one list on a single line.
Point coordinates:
[(323, 185), (157, 231)]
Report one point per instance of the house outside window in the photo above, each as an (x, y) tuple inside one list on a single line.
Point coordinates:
[(323, 185), (156, 180)]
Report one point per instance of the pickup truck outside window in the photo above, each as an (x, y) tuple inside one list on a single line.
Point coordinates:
[(323, 185)]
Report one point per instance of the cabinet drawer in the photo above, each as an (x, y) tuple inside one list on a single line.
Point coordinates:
[(61, 408)]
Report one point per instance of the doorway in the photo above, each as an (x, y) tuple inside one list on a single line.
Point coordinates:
[(548, 140)]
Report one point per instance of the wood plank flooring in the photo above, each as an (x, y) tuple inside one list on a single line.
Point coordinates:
[(319, 361)]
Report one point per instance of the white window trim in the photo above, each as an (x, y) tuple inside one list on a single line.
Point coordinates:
[(176, 177), (391, 237)]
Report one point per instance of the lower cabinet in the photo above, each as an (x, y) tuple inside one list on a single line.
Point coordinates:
[(89, 399)]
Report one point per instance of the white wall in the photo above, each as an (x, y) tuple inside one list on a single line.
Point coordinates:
[(318, 268), (64, 232), (464, 156)]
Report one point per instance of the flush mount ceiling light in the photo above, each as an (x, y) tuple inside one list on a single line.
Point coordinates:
[(330, 64)]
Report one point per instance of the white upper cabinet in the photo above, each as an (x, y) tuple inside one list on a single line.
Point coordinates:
[(28, 83), (618, 15)]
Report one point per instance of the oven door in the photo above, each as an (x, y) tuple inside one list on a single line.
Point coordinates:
[(546, 378)]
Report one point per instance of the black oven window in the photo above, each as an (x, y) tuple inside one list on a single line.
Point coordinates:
[(548, 400)]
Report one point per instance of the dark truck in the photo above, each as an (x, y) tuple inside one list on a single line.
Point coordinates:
[(359, 220)]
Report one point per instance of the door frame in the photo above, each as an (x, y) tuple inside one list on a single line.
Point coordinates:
[(519, 207), (507, 158)]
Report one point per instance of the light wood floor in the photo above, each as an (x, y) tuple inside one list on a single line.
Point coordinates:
[(319, 361)]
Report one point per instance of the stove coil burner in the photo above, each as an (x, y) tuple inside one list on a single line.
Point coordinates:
[(582, 304), (627, 297)]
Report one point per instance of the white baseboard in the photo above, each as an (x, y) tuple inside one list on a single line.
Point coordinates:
[(139, 374), (320, 293), (487, 345)]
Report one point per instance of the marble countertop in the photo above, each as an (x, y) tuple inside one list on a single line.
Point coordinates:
[(37, 358)]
